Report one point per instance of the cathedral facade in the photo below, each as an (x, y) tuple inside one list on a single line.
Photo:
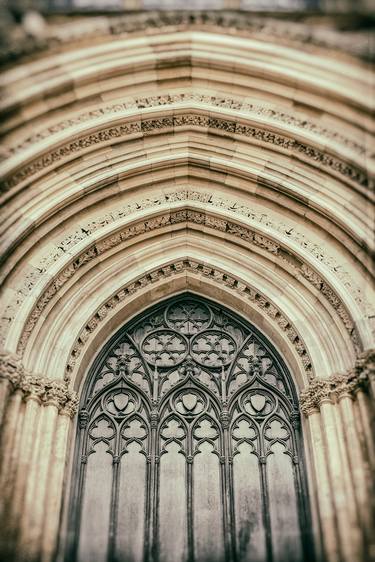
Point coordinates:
[(187, 317)]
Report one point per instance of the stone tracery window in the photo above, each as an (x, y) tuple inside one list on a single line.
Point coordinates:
[(188, 445)]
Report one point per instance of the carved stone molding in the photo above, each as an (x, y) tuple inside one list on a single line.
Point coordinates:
[(34, 387), (240, 24), (338, 386), (50, 392), (175, 217), (11, 368), (210, 123), (211, 200), (364, 373), (199, 269), (311, 397), (234, 104), (365, 366)]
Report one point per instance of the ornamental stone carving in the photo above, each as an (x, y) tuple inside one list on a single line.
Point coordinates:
[(365, 367), (211, 200), (193, 97), (238, 24), (176, 217), (339, 386), (34, 387), (196, 268), (50, 392), (229, 127), (11, 368)]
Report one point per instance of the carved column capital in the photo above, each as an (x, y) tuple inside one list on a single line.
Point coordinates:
[(35, 387), (364, 369), (311, 397), (342, 386), (55, 393), (339, 386), (70, 406), (11, 368)]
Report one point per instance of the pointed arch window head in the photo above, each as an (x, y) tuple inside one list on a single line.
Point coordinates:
[(187, 415)]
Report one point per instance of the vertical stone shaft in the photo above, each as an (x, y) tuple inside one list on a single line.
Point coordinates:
[(10, 448), (54, 488), (323, 488), (365, 407), (27, 443), (36, 487), (8, 443), (355, 456), (349, 532), (5, 389)]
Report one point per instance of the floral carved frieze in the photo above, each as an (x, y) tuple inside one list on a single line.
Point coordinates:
[(220, 224), (233, 104), (197, 269), (211, 200), (42, 389), (209, 123), (338, 386)]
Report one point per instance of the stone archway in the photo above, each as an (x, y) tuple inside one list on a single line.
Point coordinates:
[(217, 154)]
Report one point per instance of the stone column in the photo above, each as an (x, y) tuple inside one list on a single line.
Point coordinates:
[(55, 481), (10, 438), (363, 376), (350, 537), (340, 463), (33, 507), (323, 485), (11, 372), (33, 447), (355, 456), (37, 496), (33, 389), (364, 411), (363, 380)]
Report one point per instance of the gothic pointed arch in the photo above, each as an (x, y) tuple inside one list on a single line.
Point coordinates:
[(189, 416)]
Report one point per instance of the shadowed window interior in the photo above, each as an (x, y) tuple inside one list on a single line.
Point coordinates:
[(188, 445)]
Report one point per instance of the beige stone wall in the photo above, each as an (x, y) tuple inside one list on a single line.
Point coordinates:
[(232, 161)]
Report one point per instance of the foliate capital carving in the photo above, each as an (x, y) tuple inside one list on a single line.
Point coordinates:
[(364, 369), (35, 387), (70, 406), (50, 392), (55, 393), (338, 386), (342, 386), (312, 397), (11, 368)]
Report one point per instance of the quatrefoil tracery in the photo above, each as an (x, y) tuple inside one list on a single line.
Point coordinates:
[(164, 348), (213, 348), (188, 317)]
